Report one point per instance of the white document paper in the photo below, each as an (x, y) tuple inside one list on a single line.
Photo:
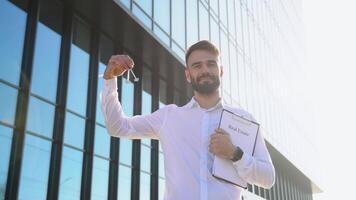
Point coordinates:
[(243, 133)]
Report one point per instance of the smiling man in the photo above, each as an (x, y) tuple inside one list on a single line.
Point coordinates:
[(189, 134)]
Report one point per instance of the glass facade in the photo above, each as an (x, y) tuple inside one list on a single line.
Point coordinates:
[(50, 69)]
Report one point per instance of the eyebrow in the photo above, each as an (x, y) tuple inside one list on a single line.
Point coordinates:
[(199, 62)]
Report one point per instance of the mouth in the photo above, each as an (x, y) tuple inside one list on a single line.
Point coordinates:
[(205, 78)]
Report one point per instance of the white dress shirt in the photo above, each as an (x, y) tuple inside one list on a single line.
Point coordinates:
[(184, 134)]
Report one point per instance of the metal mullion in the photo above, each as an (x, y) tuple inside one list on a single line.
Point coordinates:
[(154, 143), (87, 167), (136, 144), (74, 147), (18, 138), (142, 10), (7, 124), (38, 135), (59, 118), (76, 114), (9, 84), (114, 154), (43, 99)]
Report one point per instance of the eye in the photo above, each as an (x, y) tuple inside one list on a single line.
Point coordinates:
[(196, 66), (212, 64)]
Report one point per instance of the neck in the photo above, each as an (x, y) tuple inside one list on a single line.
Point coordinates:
[(207, 101)]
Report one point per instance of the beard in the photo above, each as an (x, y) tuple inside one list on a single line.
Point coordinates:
[(206, 87)]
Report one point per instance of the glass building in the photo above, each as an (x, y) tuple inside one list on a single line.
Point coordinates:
[(53, 142)]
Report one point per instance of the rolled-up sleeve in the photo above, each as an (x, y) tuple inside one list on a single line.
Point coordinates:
[(257, 169), (119, 125)]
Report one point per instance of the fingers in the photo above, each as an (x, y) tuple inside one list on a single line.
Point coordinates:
[(117, 65), (220, 130), (122, 61), (128, 61)]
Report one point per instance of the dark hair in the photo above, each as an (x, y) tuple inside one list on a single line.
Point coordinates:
[(201, 45)]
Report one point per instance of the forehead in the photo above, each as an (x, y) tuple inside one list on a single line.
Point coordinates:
[(201, 56)]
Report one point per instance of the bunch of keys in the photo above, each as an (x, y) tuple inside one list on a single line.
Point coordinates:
[(133, 74), (127, 77)]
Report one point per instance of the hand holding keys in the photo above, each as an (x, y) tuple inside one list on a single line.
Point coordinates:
[(118, 65)]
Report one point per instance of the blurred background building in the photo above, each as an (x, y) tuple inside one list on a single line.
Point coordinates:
[(53, 142)]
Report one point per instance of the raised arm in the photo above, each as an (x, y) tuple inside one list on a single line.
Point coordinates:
[(117, 123)]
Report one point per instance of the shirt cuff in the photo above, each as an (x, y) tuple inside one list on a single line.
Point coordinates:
[(243, 162), (111, 84)]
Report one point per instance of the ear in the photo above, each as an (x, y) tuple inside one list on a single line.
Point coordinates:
[(187, 75), (221, 71)]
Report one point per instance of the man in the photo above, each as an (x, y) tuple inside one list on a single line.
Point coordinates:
[(189, 134)]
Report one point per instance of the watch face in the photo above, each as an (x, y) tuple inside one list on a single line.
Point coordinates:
[(237, 154)]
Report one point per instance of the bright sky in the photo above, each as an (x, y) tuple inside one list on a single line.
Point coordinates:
[(331, 42)]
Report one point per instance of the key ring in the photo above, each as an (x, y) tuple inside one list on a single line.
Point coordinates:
[(127, 77), (133, 74)]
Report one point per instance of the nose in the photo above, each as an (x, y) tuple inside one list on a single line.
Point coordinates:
[(205, 68)]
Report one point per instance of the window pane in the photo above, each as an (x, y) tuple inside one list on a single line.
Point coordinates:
[(146, 109), (79, 69), (124, 183), (214, 32), (38, 113), (238, 23), (203, 23), (234, 75), (161, 188), (127, 99), (162, 14), (241, 80), (125, 154), (102, 142), (35, 168), (223, 13), (214, 4), (146, 103), (145, 158), (99, 187), (71, 174), (231, 14), (125, 2), (192, 26), (78, 80), (178, 22), (142, 16), (74, 128), (8, 101), (161, 164), (11, 39), (161, 34), (225, 62), (145, 182), (5, 147), (178, 50), (45, 64), (146, 5)]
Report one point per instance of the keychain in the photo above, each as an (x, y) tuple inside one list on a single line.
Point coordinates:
[(133, 74), (128, 76)]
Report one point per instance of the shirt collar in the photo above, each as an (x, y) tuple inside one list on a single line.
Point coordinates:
[(193, 103)]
